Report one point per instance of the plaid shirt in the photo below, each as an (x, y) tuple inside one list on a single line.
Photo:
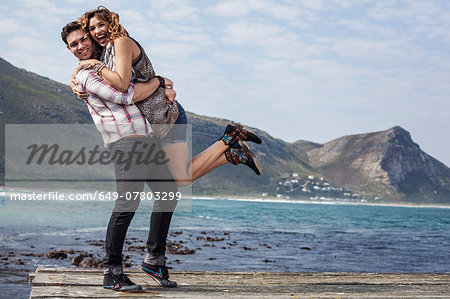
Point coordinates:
[(112, 111)]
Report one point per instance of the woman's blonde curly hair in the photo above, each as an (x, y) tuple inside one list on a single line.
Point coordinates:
[(115, 29)]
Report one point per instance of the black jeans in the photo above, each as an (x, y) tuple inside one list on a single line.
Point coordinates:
[(146, 166)]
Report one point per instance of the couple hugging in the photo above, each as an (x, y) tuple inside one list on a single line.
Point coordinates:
[(124, 96)]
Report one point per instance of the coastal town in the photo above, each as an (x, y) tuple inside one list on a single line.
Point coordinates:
[(315, 188)]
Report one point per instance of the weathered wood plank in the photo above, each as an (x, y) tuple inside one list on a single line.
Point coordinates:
[(80, 283)]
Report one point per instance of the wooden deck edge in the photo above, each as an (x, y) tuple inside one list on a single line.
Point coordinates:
[(201, 272)]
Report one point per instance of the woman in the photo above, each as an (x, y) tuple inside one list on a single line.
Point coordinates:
[(126, 61)]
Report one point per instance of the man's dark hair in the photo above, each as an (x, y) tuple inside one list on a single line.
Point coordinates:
[(68, 29)]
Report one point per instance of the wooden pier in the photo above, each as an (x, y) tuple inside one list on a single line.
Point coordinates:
[(85, 283)]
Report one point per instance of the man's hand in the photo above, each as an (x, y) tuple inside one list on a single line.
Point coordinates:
[(77, 91), (170, 95)]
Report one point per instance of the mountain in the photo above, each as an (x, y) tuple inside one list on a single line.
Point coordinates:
[(386, 165)]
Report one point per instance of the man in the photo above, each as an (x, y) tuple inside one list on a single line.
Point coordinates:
[(125, 132)]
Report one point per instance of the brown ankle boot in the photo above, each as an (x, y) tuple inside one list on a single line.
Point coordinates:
[(241, 156), (235, 132)]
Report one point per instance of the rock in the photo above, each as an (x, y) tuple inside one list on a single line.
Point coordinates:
[(136, 248), (90, 262), (86, 262), (33, 254), (76, 260), (56, 254), (210, 239), (174, 248)]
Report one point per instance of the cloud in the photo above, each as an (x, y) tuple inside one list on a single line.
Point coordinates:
[(275, 9), (366, 29), (132, 15), (49, 7), (176, 51), (30, 44), (250, 32), (287, 12), (8, 25), (229, 9), (410, 11), (173, 11), (313, 4)]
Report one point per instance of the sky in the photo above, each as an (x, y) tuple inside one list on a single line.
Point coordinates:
[(312, 70)]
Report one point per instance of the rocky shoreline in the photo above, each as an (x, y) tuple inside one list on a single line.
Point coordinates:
[(15, 266), (179, 244)]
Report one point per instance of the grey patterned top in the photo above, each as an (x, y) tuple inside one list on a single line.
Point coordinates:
[(155, 108)]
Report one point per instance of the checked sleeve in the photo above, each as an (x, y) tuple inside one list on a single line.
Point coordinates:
[(97, 87)]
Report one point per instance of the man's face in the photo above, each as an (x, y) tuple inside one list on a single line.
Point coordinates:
[(80, 44)]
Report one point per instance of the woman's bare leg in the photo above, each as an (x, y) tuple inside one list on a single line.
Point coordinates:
[(185, 172), (222, 160)]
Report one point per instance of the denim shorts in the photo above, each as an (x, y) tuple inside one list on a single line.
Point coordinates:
[(178, 133)]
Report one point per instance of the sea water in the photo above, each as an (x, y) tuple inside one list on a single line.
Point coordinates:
[(236, 235)]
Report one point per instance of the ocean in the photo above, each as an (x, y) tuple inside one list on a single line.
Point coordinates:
[(232, 235)]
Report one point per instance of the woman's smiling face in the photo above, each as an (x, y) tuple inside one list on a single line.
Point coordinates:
[(98, 29)]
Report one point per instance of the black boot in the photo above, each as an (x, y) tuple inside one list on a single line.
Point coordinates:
[(243, 156), (235, 132)]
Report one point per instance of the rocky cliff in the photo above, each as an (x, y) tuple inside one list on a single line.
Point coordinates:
[(386, 163)]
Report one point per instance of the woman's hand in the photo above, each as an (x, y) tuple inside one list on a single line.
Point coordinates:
[(85, 64), (169, 95), (167, 81), (77, 91)]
